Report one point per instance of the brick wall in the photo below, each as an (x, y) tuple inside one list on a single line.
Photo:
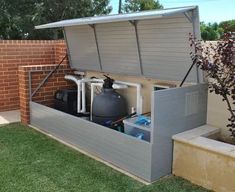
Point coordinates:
[(60, 50), (15, 53), (45, 94)]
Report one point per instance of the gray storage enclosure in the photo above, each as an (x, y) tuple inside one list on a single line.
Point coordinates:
[(152, 44), (173, 111)]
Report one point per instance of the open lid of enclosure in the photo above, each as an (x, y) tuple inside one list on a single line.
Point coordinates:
[(150, 43)]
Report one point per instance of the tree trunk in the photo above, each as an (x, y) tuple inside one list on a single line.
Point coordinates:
[(120, 7)]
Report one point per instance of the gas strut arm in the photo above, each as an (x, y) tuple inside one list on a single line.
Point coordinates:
[(185, 77), (48, 76)]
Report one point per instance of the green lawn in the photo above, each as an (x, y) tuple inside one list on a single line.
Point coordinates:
[(32, 162)]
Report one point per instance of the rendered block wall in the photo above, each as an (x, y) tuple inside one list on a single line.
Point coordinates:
[(210, 169)]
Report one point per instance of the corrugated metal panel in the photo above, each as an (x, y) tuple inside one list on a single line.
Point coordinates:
[(82, 48), (119, 17), (126, 152), (164, 52), (118, 48)]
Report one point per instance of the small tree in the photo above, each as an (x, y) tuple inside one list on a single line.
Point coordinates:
[(228, 25), (141, 5), (18, 17), (211, 31), (217, 61)]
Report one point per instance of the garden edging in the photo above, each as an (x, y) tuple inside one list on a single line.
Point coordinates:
[(203, 160)]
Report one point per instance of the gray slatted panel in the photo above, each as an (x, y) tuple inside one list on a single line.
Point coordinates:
[(165, 48), (174, 110), (82, 48), (118, 48), (124, 151)]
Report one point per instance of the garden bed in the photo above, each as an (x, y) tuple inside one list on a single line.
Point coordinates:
[(203, 160)]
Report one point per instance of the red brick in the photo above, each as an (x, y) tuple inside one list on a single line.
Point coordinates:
[(14, 79)]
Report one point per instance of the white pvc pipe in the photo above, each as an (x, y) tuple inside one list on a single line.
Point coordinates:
[(77, 81), (86, 80), (79, 98), (99, 82), (139, 98), (83, 110)]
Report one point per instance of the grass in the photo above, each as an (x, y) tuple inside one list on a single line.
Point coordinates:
[(32, 162)]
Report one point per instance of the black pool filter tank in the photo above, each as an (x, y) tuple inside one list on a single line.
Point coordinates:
[(109, 105)]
